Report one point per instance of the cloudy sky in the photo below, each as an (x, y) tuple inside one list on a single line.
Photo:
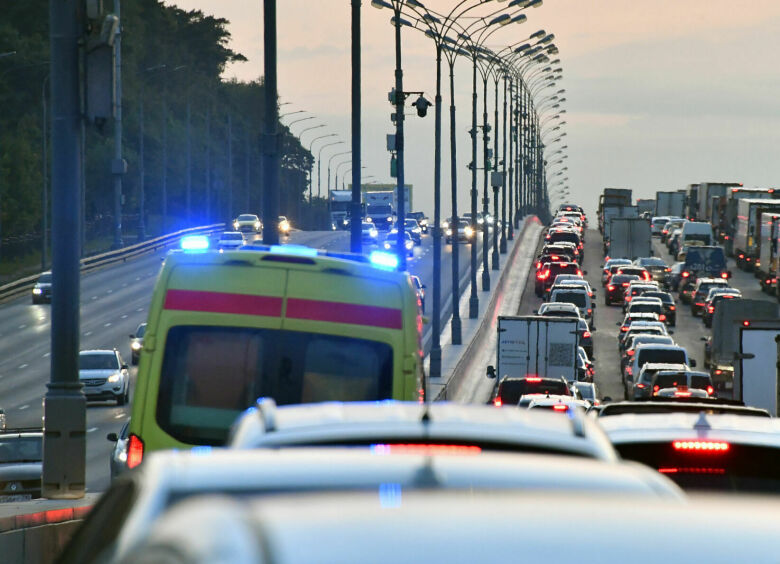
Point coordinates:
[(660, 94)]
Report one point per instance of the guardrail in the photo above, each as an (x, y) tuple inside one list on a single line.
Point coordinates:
[(19, 287)]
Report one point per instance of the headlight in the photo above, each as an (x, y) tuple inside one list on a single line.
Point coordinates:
[(235, 225), (445, 224), (369, 220), (387, 246), (480, 221), (373, 233), (423, 222), (284, 226), (449, 232), (257, 225), (416, 230), (409, 245), (389, 218), (37, 291), (114, 378), (136, 345), (469, 231)]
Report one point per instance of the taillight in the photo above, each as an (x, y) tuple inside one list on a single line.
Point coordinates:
[(679, 394), (554, 257), (667, 269), (711, 309), (631, 353), (741, 256), (497, 402), (718, 372), (701, 446), (560, 407), (686, 274), (610, 287), (746, 323), (533, 379), (672, 308), (586, 335), (646, 274), (625, 284), (590, 311), (624, 328), (724, 275), (710, 390), (135, 451), (692, 470), (579, 273), (700, 304), (629, 370), (641, 386), (662, 317), (538, 265), (656, 388)]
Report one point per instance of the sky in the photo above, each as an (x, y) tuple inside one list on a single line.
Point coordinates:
[(660, 94)]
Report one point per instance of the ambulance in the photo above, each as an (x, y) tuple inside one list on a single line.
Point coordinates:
[(287, 322)]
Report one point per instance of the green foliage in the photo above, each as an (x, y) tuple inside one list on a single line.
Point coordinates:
[(176, 58)]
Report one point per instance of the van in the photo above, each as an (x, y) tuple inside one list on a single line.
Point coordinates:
[(696, 233), (286, 322)]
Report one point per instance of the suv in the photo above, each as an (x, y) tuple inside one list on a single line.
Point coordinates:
[(21, 464), (545, 276), (104, 375), (559, 309), (575, 295), (607, 270), (510, 389), (667, 354), (616, 287), (700, 291), (682, 378), (643, 385)]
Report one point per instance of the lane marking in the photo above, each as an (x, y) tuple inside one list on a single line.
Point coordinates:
[(46, 355), (22, 326), (119, 416), (94, 297), (140, 309), (23, 366), (23, 407), (107, 325), (91, 429), (88, 333), (109, 291), (124, 316)]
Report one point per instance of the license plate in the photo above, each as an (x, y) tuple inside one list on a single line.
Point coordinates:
[(15, 498)]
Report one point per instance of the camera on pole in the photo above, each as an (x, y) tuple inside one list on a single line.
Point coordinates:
[(422, 106)]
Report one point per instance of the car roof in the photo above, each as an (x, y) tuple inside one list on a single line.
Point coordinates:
[(300, 529), (559, 305), (358, 422), (646, 300), (652, 427), (686, 372), (661, 366), (658, 346), (98, 351)]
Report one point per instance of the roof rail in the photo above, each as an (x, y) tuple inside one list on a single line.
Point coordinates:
[(266, 409)]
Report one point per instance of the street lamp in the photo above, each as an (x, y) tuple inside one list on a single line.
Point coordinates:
[(338, 167), (289, 125), (319, 159), (313, 141), (330, 161), (290, 113)]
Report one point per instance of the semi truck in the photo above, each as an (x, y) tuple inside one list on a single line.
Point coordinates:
[(630, 238), (645, 206), (746, 236), (338, 207), (705, 193), (729, 317), (612, 197), (611, 212), (766, 265), (755, 378), (691, 200), (670, 204), (724, 217), (536, 346)]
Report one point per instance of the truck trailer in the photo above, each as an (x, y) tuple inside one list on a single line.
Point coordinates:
[(746, 236), (670, 204), (755, 378), (630, 238)]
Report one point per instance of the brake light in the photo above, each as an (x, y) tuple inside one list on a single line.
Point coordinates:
[(646, 274), (424, 449), (718, 372), (656, 388), (710, 390), (590, 311), (625, 284), (624, 328), (497, 402), (679, 394), (629, 370), (672, 308), (711, 309), (631, 353), (686, 274), (610, 287), (135, 451), (746, 323), (586, 335), (667, 269), (533, 379), (724, 275), (554, 257), (699, 304), (701, 446), (662, 317), (641, 386), (741, 256), (692, 470), (579, 273), (538, 265), (560, 407)]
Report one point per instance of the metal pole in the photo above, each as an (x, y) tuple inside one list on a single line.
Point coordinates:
[(45, 175), (164, 186), (141, 184), (247, 168), (356, 243), (455, 323), (230, 166), (208, 162), (188, 196), (118, 168), (64, 438), (495, 168), (485, 198), (434, 366), (474, 299), (512, 147), (502, 243), (270, 137), (319, 191), (399, 145)]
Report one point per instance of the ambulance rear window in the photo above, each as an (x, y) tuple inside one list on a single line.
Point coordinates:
[(211, 374)]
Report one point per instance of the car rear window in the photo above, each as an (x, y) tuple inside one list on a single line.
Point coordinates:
[(666, 356), (576, 298), (636, 271), (510, 390), (568, 237), (644, 307), (738, 468), (211, 374), (663, 296)]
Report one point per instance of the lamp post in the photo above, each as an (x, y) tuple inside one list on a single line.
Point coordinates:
[(338, 167), (313, 141), (330, 161), (319, 160)]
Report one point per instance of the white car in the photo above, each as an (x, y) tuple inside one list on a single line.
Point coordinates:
[(104, 376), (248, 222), (230, 240)]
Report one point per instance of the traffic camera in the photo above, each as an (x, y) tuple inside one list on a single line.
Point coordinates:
[(422, 106)]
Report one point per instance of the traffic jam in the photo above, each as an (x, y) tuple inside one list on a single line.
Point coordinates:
[(285, 377)]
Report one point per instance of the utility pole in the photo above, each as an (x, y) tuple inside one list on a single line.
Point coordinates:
[(399, 146), (118, 166), (356, 243), (502, 243), (164, 186), (64, 440), (208, 162), (45, 175), (495, 168), (230, 165), (246, 168), (189, 161), (270, 135)]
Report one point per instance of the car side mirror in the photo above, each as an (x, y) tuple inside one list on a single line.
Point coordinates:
[(124, 367), (491, 372), (584, 271), (618, 324), (693, 363), (112, 437), (131, 336), (703, 339), (426, 320), (424, 286)]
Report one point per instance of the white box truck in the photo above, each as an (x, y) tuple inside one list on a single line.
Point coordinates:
[(630, 238), (755, 381), (670, 204), (536, 346)]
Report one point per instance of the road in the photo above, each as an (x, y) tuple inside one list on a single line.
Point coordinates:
[(114, 300), (688, 332)]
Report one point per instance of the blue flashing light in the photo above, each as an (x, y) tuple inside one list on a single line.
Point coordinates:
[(384, 260), (201, 451), (390, 495), (298, 250), (194, 243)]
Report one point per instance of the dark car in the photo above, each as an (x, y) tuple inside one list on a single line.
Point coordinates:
[(586, 338), (510, 390), (137, 343), (657, 268), (422, 221), (21, 464), (41, 292), (670, 308), (545, 276), (700, 291), (616, 287), (635, 290), (710, 305)]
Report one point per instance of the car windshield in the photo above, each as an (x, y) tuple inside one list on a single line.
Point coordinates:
[(380, 209), (45, 278), (141, 330), (247, 217), (577, 298), (98, 361), (652, 261), (665, 356), (211, 374), (21, 449)]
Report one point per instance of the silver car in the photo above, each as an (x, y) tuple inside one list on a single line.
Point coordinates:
[(104, 375)]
